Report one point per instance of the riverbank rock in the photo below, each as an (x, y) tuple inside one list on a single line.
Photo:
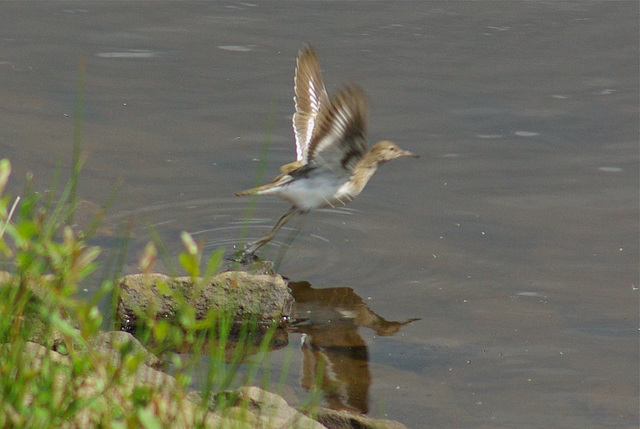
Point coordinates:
[(258, 408), (334, 419), (168, 402), (260, 297)]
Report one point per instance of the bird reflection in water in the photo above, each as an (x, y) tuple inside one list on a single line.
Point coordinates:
[(335, 356)]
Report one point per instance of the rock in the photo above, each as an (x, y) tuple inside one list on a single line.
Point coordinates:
[(113, 343), (39, 302), (166, 401), (264, 298), (170, 405), (274, 411), (343, 419), (259, 408)]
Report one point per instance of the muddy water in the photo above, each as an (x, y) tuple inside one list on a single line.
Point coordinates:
[(514, 238)]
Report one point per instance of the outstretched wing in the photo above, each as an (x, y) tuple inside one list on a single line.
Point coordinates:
[(339, 140), (310, 96)]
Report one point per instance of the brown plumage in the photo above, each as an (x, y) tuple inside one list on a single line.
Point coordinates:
[(332, 163)]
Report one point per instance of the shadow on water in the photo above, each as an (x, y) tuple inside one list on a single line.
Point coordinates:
[(329, 320), (334, 355)]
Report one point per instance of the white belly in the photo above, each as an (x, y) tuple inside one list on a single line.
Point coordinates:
[(315, 192)]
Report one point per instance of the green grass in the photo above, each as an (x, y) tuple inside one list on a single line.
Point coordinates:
[(67, 381), (52, 374)]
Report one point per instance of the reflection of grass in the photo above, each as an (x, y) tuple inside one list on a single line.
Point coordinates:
[(70, 382)]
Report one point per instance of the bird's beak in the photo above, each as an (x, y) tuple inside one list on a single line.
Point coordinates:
[(406, 153)]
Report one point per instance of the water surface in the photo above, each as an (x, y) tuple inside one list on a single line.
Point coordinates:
[(514, 238)]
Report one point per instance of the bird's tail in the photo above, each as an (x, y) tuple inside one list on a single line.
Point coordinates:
[(268, 188), (252, 191)]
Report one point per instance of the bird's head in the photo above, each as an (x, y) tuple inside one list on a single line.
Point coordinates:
[(386, 151)]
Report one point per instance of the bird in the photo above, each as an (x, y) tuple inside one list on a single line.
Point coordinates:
[(332, 164)]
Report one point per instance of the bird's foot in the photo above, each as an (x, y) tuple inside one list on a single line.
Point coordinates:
[(245, 255)]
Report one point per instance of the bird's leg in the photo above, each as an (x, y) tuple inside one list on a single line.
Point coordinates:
[(288, 241), (251, 248)]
